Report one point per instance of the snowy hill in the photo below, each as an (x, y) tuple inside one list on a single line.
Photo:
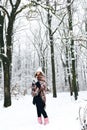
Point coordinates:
[(63, 113)]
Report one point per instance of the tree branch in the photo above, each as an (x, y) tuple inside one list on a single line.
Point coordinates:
[(59, 24), (5, 11), (17, 4), (11, 3), (22, 8), (4, 58)]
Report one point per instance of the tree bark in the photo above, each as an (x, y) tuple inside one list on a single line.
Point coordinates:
[(73, 71), (49, 18), (7, 94), (68, 71)]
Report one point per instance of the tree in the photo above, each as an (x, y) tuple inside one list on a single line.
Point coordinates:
[(7, 56), (73, 71), (40, 45), (7, 59), (49, 19), (51, 10), (1, 43)]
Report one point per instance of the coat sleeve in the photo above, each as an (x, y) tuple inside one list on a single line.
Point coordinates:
[(35, 93)]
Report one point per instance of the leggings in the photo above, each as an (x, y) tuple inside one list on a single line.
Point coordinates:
[(40, 107), (41, 110)]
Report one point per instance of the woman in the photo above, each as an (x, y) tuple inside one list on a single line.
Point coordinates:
[(39, 98)]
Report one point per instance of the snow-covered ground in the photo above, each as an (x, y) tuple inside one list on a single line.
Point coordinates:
[(63, 113)]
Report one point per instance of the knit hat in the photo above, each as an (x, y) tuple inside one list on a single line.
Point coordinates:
[(39, 70)]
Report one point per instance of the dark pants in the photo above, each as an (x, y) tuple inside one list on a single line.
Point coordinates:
[(40, 106)]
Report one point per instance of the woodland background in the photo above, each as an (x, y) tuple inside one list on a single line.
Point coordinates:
[(51, 34)]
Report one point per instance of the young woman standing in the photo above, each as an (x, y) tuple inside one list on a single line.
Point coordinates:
[(39, 97)]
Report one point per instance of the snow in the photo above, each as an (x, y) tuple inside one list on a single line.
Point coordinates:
[(63, 113)]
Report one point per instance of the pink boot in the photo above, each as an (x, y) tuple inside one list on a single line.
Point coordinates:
[(39, 120), (46, 121)]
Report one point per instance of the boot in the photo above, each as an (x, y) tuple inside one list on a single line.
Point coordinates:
[(39, 120), (46, 120)]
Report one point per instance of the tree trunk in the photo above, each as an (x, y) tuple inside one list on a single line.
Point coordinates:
[(8, 68), (49, 18), (68, 71), (73, 71), (1, 34), (86, 45), (7, 95), (1, 43)]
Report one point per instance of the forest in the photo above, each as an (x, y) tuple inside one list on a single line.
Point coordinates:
[(51, 34)]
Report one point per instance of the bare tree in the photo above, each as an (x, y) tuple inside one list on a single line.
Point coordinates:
[(7, 56), (1, 45), (73, 70), (49, 19)]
